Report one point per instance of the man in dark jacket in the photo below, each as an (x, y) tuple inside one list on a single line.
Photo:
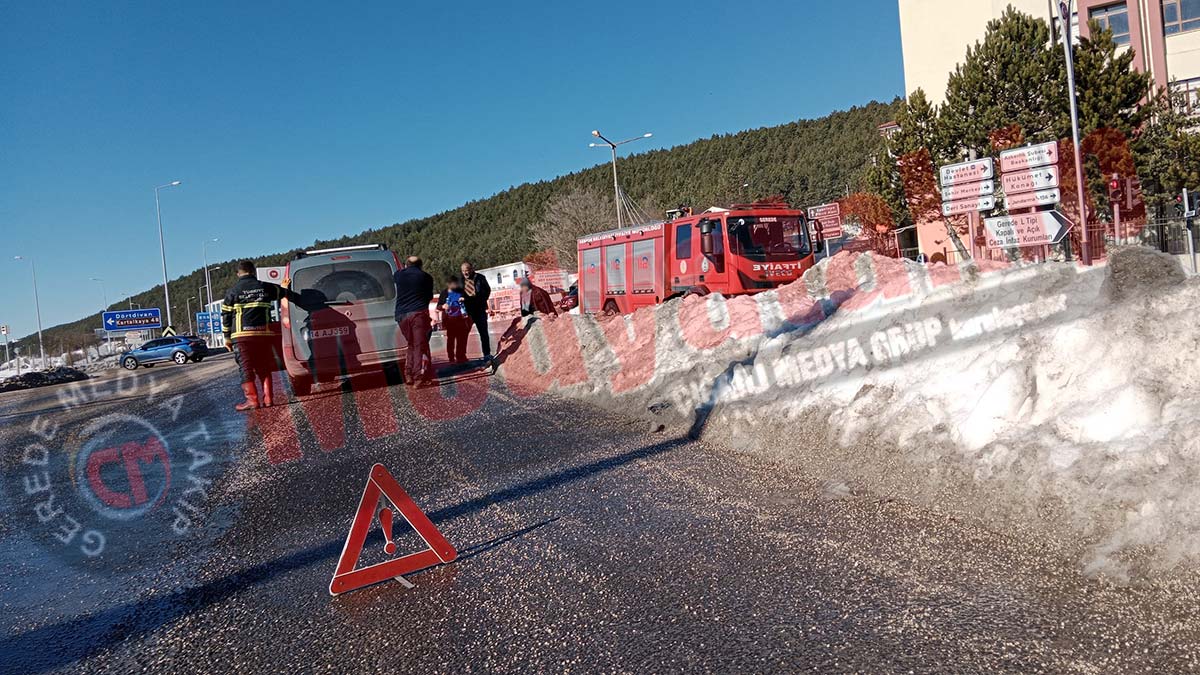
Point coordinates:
[(246, 324), (414, 292), (476, 293)]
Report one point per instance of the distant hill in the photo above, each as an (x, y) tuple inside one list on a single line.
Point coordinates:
[(807, 161)]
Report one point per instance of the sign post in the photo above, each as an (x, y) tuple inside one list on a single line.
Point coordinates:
[(1027, 229), (968, 188), (4, 332), (829, 216)]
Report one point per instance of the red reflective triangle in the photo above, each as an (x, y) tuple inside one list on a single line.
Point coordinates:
[(346, 578)]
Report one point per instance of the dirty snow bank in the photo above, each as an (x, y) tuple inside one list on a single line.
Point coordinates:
[(1046, 398)]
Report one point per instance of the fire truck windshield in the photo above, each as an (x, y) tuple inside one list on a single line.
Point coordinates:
[(768, 237)]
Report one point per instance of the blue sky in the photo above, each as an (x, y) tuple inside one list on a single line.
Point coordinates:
[(293, 121)]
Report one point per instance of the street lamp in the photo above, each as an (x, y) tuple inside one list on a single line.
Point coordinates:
[(616, 185), (104, 294), (162, 248), (1064, 21), (189, 313), (37, 304), (207, 279)]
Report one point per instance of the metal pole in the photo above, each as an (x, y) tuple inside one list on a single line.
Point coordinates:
[(1064, 19), (617, 188), (6, 356), (37, 304), (189, 313), (1117, 223), (1187, 207), (162, 250)]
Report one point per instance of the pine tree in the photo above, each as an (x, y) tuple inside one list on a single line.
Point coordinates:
[(1014, 76)]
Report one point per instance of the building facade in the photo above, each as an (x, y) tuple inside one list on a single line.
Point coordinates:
[(1163, 34)]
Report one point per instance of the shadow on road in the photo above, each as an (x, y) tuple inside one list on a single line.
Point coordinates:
[(59, 645)]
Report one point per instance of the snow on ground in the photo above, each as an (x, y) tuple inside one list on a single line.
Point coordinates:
[(1048, 398)]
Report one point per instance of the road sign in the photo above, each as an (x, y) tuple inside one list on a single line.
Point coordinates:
[(208, 323), (133, 319), (272, 275), (1029, 157), (439, 551), (1030, 229), (1026, 200), (968, 205), (957, 193), (1043, 178), (968, 172), (830, 217)]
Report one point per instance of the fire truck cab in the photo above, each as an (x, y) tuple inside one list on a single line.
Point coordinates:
[(739, 250)]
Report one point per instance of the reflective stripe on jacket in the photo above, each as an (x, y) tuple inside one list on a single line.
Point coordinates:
[(246, 308)]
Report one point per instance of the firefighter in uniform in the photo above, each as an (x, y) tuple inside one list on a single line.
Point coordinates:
[(246, 323)]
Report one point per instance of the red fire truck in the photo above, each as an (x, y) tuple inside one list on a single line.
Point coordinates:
[(746, 248)]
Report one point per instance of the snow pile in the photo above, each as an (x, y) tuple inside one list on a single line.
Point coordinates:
[(1049, 398)]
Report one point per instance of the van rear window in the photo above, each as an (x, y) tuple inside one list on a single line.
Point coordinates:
[(355, 281)]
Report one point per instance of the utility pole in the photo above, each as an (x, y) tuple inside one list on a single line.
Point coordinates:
[(1064, 20), (37, 304), (162, 248), (616, 185)]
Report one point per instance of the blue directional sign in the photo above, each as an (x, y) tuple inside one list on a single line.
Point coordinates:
[(208, 323), (133, 319)]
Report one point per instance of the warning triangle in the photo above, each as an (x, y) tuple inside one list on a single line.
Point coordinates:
[(381, 482)]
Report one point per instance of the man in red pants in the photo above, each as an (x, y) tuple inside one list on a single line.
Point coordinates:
[(246, 323), (414, 292)]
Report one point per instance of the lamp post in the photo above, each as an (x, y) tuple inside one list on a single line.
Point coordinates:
[(104, 294), (37, 304), (1064, 20), (189, 313), (162, 248), (616, 186), (207, 278)]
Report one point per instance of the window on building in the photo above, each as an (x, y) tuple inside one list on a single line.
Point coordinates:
[(1180, 16), (1191, 93), (1114, 18)]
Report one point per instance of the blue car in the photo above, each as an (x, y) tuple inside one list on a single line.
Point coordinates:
[(180, 349)]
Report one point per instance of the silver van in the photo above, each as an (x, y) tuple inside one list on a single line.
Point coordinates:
[(340, 317)]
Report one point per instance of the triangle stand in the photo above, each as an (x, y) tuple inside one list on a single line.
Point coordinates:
[(347, 578)]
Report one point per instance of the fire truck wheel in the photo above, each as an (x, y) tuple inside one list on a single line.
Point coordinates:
[(611, 309), (698, 290)]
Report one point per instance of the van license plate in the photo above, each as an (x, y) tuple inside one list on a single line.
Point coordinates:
[(330, 332)]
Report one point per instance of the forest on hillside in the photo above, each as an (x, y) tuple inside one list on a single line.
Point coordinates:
[(808, 162)]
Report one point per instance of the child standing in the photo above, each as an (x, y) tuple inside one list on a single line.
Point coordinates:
[(455, 320)]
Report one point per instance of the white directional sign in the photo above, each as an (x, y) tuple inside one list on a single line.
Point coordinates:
[(1042, 178), (968, 172), (955, 193), (1029, 157), (967, 206), (1030, 229), (1027, 200)]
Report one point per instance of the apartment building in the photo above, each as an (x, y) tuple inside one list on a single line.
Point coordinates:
[(1163, 34)]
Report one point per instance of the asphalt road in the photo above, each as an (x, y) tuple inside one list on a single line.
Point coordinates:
[(586, 543)]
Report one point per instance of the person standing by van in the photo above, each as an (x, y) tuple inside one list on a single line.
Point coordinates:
[(475, 296), (455, 320), (246, 324), (414, 292)]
